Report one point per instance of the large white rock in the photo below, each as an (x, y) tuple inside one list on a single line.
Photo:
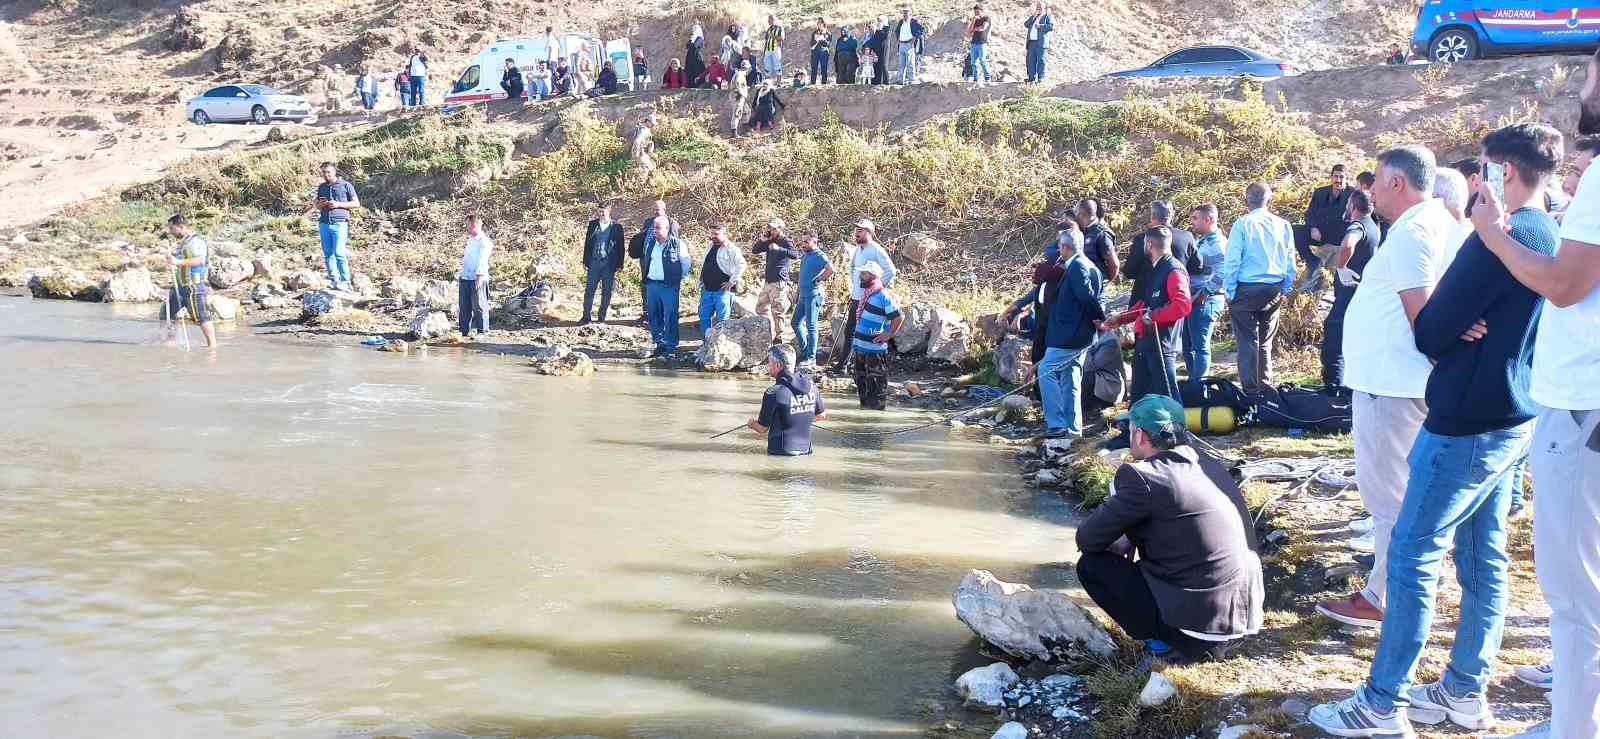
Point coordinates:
[(1011, 730), (985, 687), (431, 323), (1157, 690), (1013, 360), (1037, 624), (222, 307), (225, 272), (949, 337), (736, 343), (132, 285), (913, 336)]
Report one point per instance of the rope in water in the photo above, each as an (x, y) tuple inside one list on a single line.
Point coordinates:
[(908, 429)]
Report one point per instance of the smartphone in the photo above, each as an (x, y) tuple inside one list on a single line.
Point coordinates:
[(1495, 174)]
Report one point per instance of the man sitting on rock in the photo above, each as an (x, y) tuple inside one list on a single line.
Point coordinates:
[(788, 407), (1196, 588)]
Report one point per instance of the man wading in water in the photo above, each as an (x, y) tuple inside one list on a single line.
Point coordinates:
[(788, 407), (189, 290)]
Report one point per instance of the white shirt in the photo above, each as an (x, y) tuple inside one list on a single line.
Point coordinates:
[(552, 49), (905, 31), (417, 67), (1033, 30), (475, 263), (731, 261), (1566, 353), (1380, 350), (872, 252)]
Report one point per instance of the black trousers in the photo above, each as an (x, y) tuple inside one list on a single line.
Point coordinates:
[(841, 344), (1118, 586), (1333, 337), (1155, 366), (872, 379)]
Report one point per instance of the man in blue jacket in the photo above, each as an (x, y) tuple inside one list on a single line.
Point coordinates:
[(1071, 329), (666, 264), (1478, 328), (1039, 26), (602, 256)]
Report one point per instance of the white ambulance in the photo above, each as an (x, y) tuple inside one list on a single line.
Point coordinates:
[(480, 81)]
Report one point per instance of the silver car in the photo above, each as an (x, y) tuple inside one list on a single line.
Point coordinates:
[(257, 103), (1213, 61)]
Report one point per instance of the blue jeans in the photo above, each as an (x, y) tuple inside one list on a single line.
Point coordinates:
[(1060, 385), (807, 314), (540, 89), (1035, 62), (661, 307), (369, 100), (419, 90), (473, 305), (980, 62), (714, 307), (1197, 330), (336, 250), (1518, 472), (908, 62), (1460, 491)]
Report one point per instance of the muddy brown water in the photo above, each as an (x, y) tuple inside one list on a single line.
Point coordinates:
[(298, 541)]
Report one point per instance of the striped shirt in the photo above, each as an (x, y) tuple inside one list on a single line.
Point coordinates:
[(774, 38), (877, 314)]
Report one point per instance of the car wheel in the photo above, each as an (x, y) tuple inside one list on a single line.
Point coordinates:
[(1453, 45), (259, 115), (200, 118)]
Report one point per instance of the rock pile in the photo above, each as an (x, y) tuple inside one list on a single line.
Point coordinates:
[(560, 360)]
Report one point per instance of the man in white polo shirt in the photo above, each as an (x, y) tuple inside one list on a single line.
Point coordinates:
[(1565, 456), (1388, 376)]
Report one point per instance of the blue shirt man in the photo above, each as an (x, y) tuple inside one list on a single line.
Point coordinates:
[(1206, 289), (1256, 273), (1074, 311), (667, 264), (815, 271), (334, 200)]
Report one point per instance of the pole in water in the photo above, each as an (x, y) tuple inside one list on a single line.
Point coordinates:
[(729, 431)]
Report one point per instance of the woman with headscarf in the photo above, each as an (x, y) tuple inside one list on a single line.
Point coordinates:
[(694, 61), (845, 57), (767, 104), (730, 47), (674, 79), (879, 43), (641, 68), (584, 72)]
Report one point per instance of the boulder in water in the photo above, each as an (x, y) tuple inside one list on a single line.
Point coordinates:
[(318, 303), (398, 346), (736, 343), (431, 323), (64, 284), (225, 272), (985, 687), (222, 307), (1028, 623), (559, 360), (1013, 360), (132, 285)]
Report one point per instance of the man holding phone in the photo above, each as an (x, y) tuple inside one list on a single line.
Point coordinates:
[(334, 200)]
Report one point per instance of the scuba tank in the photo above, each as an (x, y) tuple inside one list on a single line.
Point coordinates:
[(1211, 419)]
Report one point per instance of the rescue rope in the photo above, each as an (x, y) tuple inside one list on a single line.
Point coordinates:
[(908, 429)]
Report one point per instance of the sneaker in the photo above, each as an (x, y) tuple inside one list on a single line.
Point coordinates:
[(1352, 610), (1539, 676), (1353, 717), (1054, 434), (1361, 526), (1364, 543), (1432, 704)]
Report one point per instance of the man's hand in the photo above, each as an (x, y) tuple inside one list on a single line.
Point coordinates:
[(172, 261), (1123, 547), (755, 425), (1488, 214), (1478, 331), (1316, 234), (1348, 277), (727, 286), (882, 338)]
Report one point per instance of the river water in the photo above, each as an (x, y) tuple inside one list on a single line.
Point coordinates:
[(290, 540)]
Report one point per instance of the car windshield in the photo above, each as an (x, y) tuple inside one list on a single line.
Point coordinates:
[(258, 89)]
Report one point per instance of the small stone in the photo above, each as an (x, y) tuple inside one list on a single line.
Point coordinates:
[(1060, 681), (957, 424), (913, 389), (1025, 700), (398, 346), (984, 687), (1278, 536), (1237, 732), (1295, 707), (1157, 690), (1339, 573), (1012, 730)]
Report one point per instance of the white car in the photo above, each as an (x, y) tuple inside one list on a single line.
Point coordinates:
[(257, 103)]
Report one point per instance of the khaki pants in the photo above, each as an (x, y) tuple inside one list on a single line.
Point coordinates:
[(738, 110), (1384, 430), (1566, 536), (773, 304)]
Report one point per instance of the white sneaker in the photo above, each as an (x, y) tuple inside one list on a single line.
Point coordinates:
[(1432, 704), (1361, 526), (1541, 676), (1364, 543), (1353, 717)]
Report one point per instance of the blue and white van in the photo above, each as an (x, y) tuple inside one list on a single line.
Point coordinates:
[(1451, 31)]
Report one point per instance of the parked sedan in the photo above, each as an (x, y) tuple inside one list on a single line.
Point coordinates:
[(1212, 61), (257, 103)]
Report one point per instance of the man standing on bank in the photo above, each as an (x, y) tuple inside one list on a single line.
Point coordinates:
[(334, 200), (788, 407), (602, 257), (666, 264), (1196, 588), (1256, 274), (879, 320), (773, 302), (866, 250)]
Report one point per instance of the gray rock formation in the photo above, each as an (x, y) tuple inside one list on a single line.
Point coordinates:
[(1011, 360), (1021, 621), (64, 284), (318, 303), (132, 285), (431, 323), (225, 272), (736, 344)]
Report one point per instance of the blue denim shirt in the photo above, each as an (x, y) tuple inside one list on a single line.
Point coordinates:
[(1213, 249), (811, 265)]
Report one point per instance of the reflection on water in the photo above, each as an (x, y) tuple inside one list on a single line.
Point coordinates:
[(289, 541)]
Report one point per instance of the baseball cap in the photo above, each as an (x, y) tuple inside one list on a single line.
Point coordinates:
[(1156, 413), (873, 268), (776, 223), (867, 224)]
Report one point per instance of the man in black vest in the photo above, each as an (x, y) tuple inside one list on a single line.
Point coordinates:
[(1325, 217), (788, 407), (636, 251), (1099, 242), (1196, 589), (1157, 315), (602, 256)]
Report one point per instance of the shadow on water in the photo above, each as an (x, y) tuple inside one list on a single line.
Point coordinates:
[(33, 339)]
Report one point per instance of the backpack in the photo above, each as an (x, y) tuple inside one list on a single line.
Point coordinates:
[(1212, 392), (1311, 408)]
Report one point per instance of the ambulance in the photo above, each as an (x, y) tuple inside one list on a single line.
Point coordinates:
[(480, 81)]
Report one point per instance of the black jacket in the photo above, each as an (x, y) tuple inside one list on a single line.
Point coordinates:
[(1326, 213), (1197, 546), (1137, 266), (1100, 246), (511, 82), (636, 242), (614, 247)]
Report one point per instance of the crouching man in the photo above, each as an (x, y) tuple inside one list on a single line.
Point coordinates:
[(788, 407), (1195, 589)]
